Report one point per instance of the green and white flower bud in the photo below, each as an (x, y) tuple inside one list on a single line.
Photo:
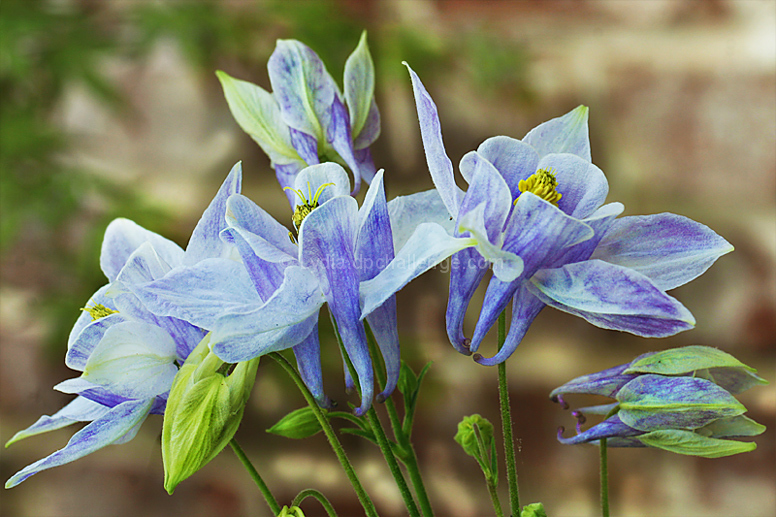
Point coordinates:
[(204, 410), (294, 511), (475, 435)]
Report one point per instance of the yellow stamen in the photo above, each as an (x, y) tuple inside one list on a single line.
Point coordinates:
[(308, 204), (99, 311), (543, 184)]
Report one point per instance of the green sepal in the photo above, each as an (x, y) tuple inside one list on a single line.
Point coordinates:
[(359, 85), (687, 359), (533, 510), (298, 424), (740, 425), (693, 444)]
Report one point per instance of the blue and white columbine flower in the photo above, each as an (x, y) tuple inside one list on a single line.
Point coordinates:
[(306, 120), (534, 213), (275, 305), (128, 355)]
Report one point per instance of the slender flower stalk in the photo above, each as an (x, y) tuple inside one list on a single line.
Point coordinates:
[(265, 491), (309, 492), (363, 497), (604, 480), (506, 423)]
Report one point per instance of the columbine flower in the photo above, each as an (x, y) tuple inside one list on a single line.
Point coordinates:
[(306, 120), (680, 400), (127, 354), (275, 306), (534, 212)]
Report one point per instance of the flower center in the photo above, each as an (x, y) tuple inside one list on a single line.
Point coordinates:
[(99, 311), (543, 184), (308, 204)]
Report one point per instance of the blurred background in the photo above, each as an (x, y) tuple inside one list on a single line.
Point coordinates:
[(112, 109)]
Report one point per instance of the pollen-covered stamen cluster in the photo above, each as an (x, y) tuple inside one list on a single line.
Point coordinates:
[(308, 204), (98, 311), (543, 184)]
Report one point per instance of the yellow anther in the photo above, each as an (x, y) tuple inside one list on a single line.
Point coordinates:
[(543, 184), (99, 311), (308, 204)]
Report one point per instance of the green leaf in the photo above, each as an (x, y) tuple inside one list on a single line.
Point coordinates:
[(257, 113), (369, 435), (693, 444), (359, 85), (408, 382), (298, 424), (677, 361)]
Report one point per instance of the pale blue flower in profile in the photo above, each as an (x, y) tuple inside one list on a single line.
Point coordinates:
[(534, 213), (128, 355), (306, 119)]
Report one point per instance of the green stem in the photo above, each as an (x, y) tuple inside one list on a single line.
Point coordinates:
[(402, 434), (506, 422), (604, 480), (494, 498), (310, 492), (390, 459), (363, 497), (271, 501)]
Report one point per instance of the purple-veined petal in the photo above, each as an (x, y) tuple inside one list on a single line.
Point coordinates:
[(506, 265), (488, 188), (439, 165), (365, 164), (266, 276), (525, 308), (258, 114), (582, 185), (611, 297), (281, 322), (267, 238), (599, 221), (566, 134), (81, 346), (286, 175), (669, 249), (310, 179), (606, 383), (514, 160), (79, 409), (429, 245), (123, 237), (306, 145), (359, 85), (369, 133), (338, 136), (134, 360), (612, 427), (374, 243), (201, 293), (467, 268), (302, 87), (105, 430), (407, 212), (382, 321), (100, 395), (308, 362), (327, 248), (205, 242)]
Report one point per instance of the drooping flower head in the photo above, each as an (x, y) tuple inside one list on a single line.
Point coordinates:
[(306, 119), (129, 355), (534, 213), (680, 400)]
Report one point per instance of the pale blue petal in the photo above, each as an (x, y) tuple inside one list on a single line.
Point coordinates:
[(133, 360), (266, 276), (408, 212), (582, 185), (429, 245), (365, 164), (669, 249), (339, 138), (599, 221), (312, 178), (514, 160), (327, 247), (201, 293), (487, 188), (566, 134), (439, 165), (383, 323), (205, 242), (467, 269), (79, 409), (374, 243), (81, 346), (104, 431), (302, 87), (506, 265), (143, 266), (612, 297), (267, 237), (308, 362), (123, 237), (369, 133), (286, 175)]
